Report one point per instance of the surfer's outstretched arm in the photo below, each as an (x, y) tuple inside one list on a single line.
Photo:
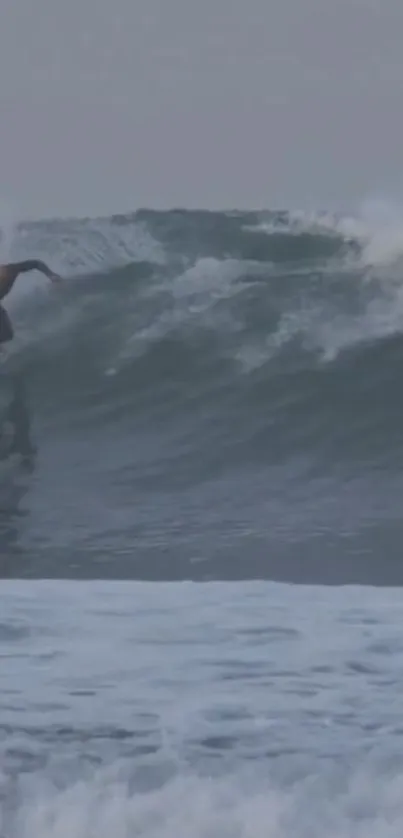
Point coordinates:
[(32, 265), (9, 273)]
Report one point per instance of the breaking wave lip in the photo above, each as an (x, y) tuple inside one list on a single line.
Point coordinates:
[(84, 245)]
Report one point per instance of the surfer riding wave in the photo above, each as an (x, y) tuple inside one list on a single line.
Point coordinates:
[(8, 275)]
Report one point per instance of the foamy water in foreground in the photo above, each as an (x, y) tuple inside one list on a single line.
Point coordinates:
[(205, 711)]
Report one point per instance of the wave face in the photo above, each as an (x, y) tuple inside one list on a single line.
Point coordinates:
[(208, 396)]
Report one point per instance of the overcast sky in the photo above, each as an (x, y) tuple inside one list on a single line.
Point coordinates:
[(107, 106)]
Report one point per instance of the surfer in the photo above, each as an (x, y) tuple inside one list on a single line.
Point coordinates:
[(8, 275)]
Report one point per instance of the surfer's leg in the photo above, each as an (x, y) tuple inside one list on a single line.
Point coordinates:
[(6, 329)]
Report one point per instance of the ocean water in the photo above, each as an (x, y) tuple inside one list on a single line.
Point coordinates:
[(201, 457)]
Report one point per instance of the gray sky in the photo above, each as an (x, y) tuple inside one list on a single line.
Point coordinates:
[(107, 106)]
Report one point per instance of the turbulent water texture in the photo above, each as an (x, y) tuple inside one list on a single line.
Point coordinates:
[(246, 710), (208, 396)]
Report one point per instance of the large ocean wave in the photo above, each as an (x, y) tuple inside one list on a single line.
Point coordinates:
[(191, 349)]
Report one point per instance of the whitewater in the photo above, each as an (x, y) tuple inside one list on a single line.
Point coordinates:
[(201, 456)]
